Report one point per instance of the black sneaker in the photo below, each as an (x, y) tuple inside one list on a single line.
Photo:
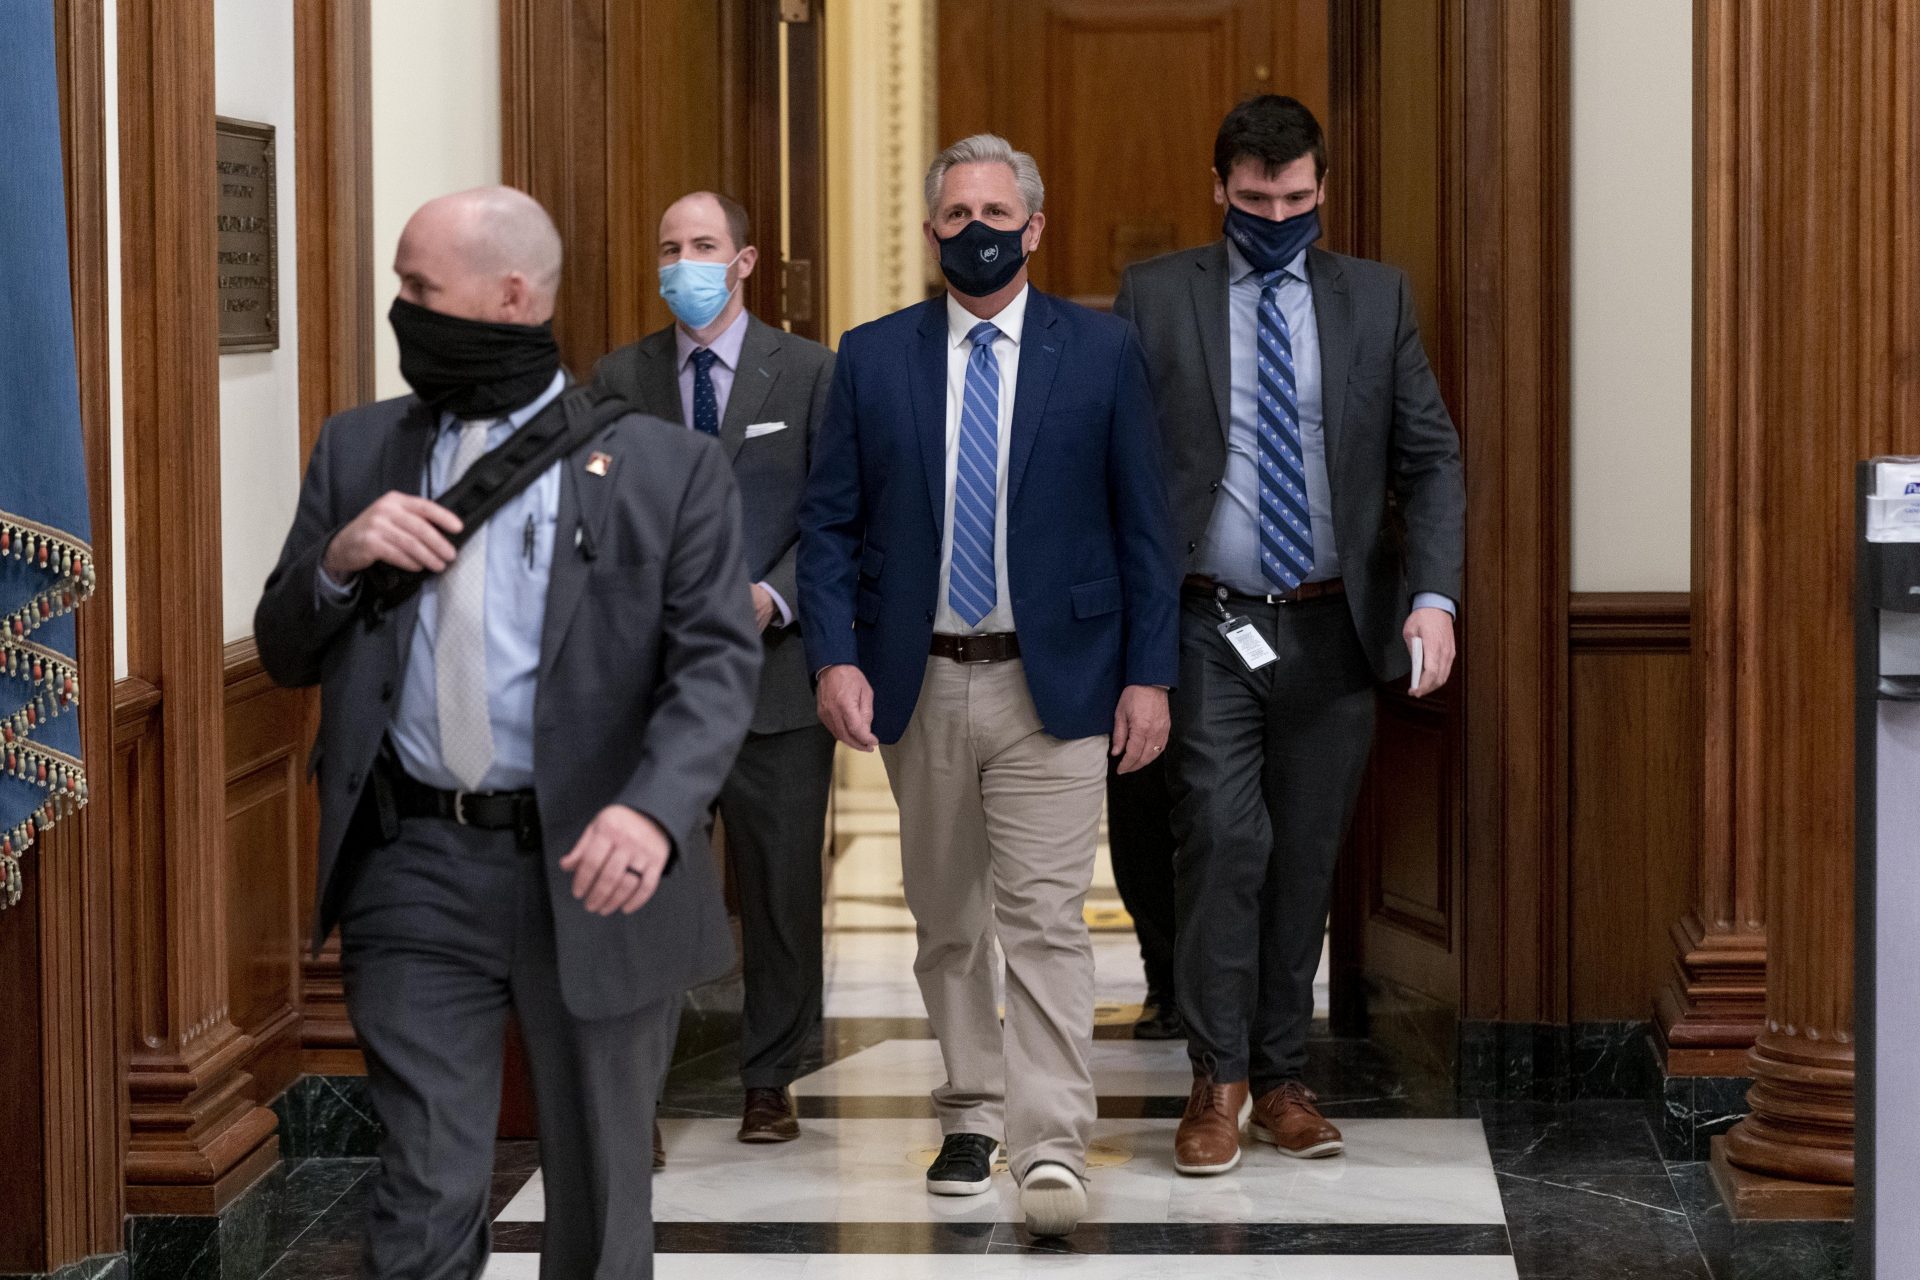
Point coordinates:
[(1159, 1019), (964, 1166)]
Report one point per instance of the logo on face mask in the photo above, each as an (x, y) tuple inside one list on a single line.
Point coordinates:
[(979, 259)]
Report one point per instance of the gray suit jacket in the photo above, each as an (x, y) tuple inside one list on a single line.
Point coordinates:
[(782, 378), (1388, 432), (648, 664)]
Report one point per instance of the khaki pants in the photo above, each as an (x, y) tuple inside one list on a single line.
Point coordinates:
[(998, 822)]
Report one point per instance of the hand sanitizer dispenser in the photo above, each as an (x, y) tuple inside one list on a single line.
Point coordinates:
[(1887, 868)]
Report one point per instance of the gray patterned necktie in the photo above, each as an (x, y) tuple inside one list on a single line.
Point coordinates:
[(460, 644)]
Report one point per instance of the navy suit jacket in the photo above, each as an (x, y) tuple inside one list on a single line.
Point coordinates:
[(1093, 575)]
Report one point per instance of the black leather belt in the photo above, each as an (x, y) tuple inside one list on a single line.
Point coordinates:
[(1198, 584), (513, 811), (998, 647)]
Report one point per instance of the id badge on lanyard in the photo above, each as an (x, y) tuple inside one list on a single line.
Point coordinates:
[(1252, 647)]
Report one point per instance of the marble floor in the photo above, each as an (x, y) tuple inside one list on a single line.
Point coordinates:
[(1433, 1186)]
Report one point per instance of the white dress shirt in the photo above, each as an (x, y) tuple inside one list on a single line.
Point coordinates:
[(1006, 348)]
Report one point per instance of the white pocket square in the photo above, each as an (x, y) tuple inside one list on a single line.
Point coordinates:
[(758, 429)]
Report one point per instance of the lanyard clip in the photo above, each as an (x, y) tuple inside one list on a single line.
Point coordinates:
[(1220, 602)]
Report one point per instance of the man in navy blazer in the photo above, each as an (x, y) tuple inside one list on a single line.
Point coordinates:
[(989, 593)]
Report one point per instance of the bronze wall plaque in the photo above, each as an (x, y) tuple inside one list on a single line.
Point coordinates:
[(248, 255)]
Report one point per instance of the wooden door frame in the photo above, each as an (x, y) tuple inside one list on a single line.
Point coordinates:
[(1504, 345)]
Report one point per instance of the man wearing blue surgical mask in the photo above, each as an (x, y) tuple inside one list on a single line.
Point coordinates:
[(1316, 483), (762, 391)]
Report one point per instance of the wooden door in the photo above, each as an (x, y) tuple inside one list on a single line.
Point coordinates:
[(1400, 901), (1118, 101)]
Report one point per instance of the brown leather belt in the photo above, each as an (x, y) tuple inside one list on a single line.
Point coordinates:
[(1200, 584), (998, 647)]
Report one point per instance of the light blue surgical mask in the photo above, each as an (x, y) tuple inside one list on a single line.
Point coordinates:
[(696, 292)]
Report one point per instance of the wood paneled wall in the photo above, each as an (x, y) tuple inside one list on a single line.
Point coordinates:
[(333, 101), (1633, 778)]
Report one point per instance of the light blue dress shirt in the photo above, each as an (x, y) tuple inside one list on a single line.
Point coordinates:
[(1230, 551), (519, 563)]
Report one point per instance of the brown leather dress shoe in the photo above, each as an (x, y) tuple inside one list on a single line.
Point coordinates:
[(769, 1117), (659, 1149), (1208, 1140), (1288, 1118)]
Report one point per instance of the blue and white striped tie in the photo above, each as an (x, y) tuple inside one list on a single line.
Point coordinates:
[(1286, 530), (972, 585)]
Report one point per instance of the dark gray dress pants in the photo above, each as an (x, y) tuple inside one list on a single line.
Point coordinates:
[(774, 805), (1267, 765), (444, 930), (1140, 838)]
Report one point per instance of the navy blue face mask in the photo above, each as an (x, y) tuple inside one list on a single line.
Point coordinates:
[(979, 260), (1268, 245)]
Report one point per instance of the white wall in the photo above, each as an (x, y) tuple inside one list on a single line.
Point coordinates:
[(259, 391), (436, 128), (1632, 212)]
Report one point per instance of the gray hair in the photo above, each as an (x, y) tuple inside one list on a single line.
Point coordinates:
[(987, 148)]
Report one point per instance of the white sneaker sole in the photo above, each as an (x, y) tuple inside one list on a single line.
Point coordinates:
[(1206, 1170), (942, 1188), (1334, 1148), (1053, 1199)]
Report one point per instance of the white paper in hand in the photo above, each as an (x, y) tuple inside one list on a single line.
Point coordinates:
[(1417, 647)]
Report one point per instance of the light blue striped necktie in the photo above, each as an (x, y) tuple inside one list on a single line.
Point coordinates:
[(972, 585), (1286, 530)]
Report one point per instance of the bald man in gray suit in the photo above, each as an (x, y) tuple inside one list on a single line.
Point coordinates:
[(516, 762)]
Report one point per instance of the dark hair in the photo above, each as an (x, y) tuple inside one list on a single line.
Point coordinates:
[(1273, 130), (736, 214)]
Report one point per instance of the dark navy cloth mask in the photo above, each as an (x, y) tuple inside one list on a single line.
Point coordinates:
[(978, 260), (1268, 245)]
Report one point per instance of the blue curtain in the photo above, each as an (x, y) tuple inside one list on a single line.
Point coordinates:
[(46, 564)]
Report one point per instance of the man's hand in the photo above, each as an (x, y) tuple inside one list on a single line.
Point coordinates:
[(1140, 726), (618, 861), (846, 706), (764, 611), (1435, 629), (402, 529)]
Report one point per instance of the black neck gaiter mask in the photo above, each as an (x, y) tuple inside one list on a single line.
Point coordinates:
[(472, 368)]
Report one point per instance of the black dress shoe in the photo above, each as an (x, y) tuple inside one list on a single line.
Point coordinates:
[(1159, 1019), (964, 1166)]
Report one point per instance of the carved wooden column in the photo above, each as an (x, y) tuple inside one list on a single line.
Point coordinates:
[(1821, 142), (1709, 1013), (197, 1135)]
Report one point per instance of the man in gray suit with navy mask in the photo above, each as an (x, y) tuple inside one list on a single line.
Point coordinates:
[(761, 392), (516, 760), (1316, 482)]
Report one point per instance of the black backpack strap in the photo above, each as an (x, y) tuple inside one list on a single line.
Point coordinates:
[(574, 417)]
